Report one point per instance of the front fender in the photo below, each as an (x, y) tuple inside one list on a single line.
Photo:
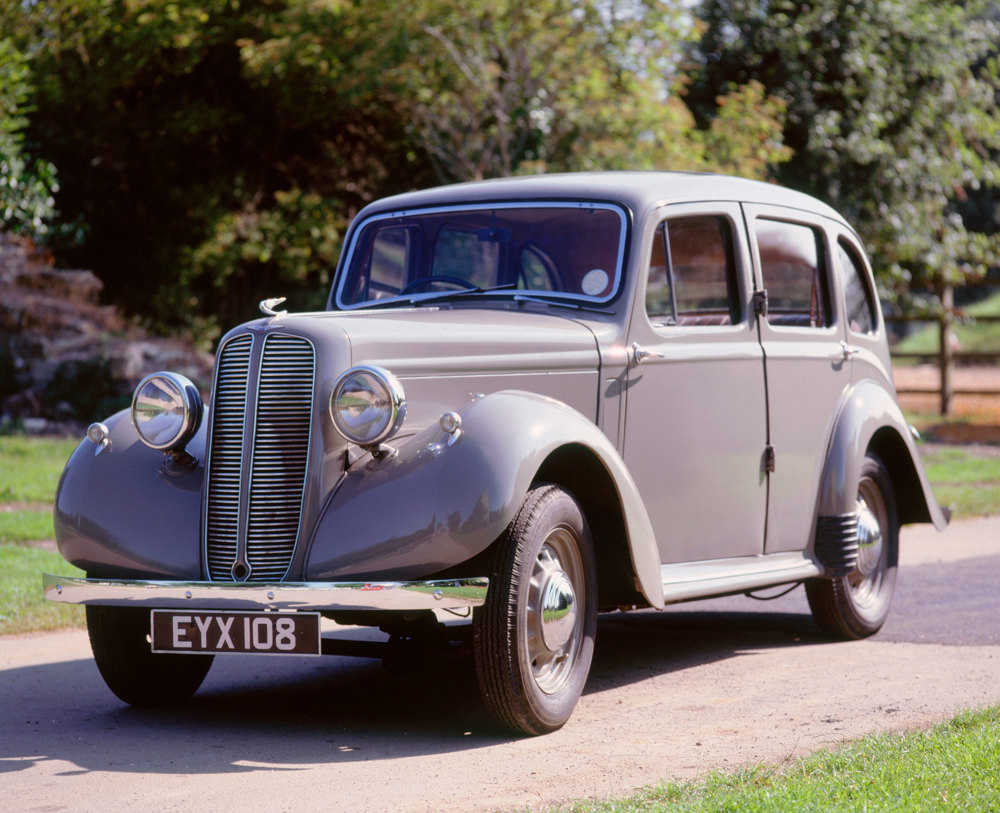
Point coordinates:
[(870, 418), (435, 503), (128, 511)]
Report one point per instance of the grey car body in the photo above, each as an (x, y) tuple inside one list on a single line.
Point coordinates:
[(621, 390)]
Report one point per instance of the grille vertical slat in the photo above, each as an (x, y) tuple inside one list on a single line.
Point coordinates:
[(284, 407), (277, 465), (226, 455)]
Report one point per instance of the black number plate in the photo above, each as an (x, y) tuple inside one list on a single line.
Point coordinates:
[(191, 631)]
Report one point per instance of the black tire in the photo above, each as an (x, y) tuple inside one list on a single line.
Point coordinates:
[(856, 605), (534, 636), (119, 638)]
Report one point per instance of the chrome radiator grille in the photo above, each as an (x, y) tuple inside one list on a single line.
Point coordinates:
[(255, 484)]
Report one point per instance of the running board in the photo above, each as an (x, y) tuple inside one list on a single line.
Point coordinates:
[(720, 577)]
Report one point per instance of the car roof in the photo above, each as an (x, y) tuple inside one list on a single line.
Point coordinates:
[(636, 190)]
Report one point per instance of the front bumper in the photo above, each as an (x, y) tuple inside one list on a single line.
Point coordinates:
[(449, 594)]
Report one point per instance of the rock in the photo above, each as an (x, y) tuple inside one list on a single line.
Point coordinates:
[(64, 354)]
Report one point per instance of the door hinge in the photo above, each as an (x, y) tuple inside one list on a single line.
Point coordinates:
[(769, 458), (760, 303)]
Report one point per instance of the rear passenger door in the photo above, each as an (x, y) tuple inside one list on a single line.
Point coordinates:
[(695, 421), (807, 363)]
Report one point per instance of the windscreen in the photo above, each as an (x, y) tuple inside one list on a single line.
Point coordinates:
[(558, 249)]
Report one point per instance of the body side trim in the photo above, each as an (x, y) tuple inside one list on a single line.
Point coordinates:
[(734, 575)]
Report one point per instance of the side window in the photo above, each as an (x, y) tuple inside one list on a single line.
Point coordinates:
[(659, 301), (791, 260), (858, 299), (701, 270), (692, 277)]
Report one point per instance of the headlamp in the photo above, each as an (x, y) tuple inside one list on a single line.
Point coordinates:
[(166, 411), (367, 405)]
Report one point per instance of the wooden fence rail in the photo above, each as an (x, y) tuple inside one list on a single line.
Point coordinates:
[(946, 355)]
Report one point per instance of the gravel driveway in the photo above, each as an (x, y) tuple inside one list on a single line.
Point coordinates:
[(673, 694)]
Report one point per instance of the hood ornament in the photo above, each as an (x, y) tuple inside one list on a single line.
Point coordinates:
[(267, 306)]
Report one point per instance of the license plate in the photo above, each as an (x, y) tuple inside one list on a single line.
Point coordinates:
[(181, 631)]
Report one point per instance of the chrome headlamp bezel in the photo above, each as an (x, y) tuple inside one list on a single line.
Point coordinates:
[(182, 408), (390, 401)]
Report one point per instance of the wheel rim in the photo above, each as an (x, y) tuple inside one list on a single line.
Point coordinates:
[(553, 616), (867, 580)]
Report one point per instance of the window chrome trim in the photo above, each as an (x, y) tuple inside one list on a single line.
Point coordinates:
[(356, 231)]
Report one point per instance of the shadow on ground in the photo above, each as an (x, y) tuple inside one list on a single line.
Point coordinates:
[(287, 714)]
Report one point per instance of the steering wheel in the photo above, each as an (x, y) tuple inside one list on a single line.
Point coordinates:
[(458, 282)]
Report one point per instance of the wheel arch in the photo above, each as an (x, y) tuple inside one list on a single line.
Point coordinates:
[(870, 420), (577, 469), (888, 446), (475, 482)]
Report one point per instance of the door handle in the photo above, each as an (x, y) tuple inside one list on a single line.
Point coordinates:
[(847, 351), (639, 355)]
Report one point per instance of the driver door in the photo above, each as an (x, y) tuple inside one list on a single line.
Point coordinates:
[(696, 422)]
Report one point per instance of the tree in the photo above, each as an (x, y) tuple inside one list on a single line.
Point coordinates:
[(496, 88), (892, 115), (26, 186), (173, 128), (216, 149)]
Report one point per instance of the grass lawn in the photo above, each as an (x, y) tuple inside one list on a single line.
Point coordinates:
[(952, 766), (967, 478), (29, 474), (22, 608), (982, 337), (30, 467)]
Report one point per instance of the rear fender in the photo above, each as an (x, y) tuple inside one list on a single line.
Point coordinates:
[(870, 420), (439, 500)]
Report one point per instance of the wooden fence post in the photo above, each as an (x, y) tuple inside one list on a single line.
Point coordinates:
[(947, 356)]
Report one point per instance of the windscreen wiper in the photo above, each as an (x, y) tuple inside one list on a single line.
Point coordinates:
[(460, 292), (556, 303), (436, 297)]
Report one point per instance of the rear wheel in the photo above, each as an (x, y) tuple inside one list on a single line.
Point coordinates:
[(119, 638), (856, 605), (534, 636)]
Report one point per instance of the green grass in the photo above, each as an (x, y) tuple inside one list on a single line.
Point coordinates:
[(952, 766), (25, 525), (30, 467), (982, 337), (967, 478), (23, 609)]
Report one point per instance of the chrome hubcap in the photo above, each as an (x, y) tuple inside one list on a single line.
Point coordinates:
[(558, 611), (867, 579), (554, 626)]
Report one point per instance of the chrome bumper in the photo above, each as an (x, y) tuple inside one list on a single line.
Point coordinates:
[(447, 594)]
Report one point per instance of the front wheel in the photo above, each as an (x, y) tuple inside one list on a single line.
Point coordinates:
[(119, 638), (856, 605), (534, 636)]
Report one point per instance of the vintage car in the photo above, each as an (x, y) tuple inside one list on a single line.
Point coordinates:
[(528, 401)]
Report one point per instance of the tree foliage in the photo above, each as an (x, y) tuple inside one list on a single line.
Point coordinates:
[(172, 130), (216, 149), (893, 115), (27, 186), (498, 87)]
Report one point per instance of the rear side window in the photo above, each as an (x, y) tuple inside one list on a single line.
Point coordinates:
[(791, 262), (692, 278), (858, 299)]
